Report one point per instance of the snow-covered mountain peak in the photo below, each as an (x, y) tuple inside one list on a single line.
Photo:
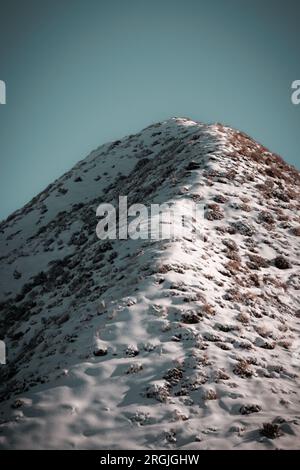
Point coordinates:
[(189, 343)]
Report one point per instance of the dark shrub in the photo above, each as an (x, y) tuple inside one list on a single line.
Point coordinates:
[(282, 263), (271, 431)]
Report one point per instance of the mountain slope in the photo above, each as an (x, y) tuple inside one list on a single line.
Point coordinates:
[(185, 343)]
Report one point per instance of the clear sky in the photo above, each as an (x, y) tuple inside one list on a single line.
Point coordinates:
[(83, 72)]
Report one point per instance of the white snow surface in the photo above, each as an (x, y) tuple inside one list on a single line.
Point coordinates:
[(190, 343)]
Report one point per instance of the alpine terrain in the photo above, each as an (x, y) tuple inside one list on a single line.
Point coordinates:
[(184, 343)]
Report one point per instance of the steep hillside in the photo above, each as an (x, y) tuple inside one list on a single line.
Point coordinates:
[(184, 343)]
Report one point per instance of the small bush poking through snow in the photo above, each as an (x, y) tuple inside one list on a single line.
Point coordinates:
[(230, 244), (248, 409), (296, 231), (243, 228), (140, 417), (214, 212), (17, 404), (132, 350), (100, 352), (243, 369), (210, 395), (208, 309), (282, 263), (190, 317), (158, 392), (220, 374), (257, 262), (271, 431), (266, 217), (233, 266), (134, 368), (213, 337), (243, 317), (173, 376), (171, 437), (219, 198), (179, 416)]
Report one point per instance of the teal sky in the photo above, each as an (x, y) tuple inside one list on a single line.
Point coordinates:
[(83, 72)]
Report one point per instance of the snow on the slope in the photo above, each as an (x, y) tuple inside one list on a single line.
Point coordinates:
[(191, 343)]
